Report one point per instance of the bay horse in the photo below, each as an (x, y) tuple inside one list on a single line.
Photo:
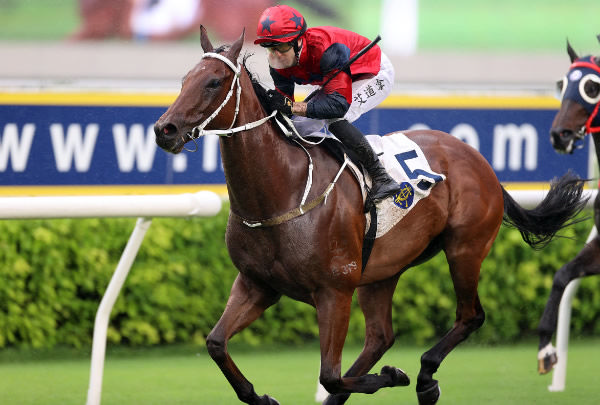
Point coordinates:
[(578, 115), (308, 246)]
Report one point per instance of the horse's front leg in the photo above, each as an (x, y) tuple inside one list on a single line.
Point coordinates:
[(333, 313), (247, 302), (586, 263)]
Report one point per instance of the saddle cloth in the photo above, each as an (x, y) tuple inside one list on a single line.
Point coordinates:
[(405, 162)]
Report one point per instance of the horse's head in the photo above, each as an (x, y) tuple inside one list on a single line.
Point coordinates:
[(580, 99), (206, 99)]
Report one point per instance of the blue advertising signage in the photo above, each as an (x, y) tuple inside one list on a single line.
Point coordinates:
[(45, 146), (516, 142)]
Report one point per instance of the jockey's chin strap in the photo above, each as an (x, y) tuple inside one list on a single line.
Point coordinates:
[(199, 131)]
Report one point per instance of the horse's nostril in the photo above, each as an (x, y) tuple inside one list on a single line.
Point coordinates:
[(560, 132), (167, 129)]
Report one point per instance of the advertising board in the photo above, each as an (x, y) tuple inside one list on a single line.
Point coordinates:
[(79, 143)]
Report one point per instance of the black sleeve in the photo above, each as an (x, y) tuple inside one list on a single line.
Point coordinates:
[(283, 84), (328, 103), (334, 57), (327, 106)]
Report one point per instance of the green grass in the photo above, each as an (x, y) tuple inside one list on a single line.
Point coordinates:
[(532, 25), (470, 375), (37, 20)]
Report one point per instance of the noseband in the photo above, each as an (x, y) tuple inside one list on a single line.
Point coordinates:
[(199, 130)]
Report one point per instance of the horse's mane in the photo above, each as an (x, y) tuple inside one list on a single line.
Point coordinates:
[(259, 89)]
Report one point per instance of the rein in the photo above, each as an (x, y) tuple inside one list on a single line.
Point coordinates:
[(199, 131)]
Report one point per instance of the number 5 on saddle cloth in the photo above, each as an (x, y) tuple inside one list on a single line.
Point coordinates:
[(406, 163)]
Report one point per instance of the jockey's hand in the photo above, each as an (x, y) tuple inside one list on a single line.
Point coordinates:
[(279, 102)]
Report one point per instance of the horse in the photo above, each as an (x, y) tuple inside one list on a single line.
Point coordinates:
[(578, 115), (285, 239)]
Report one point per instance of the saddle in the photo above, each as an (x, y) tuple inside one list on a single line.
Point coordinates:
[(404, 162)]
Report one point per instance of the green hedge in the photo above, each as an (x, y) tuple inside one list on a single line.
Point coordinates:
[(54, 272)]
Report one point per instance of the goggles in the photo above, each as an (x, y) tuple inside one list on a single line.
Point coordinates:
[(281, 47)]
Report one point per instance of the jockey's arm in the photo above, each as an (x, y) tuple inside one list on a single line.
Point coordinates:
[(331, 101), (334, 98), (299, 108)]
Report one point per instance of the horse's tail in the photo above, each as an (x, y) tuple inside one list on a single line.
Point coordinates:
[(557, 210)]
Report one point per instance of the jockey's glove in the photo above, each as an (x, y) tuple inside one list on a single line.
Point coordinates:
[(279, 102)]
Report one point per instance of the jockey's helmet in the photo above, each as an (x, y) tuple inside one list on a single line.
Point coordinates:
[(279, 24)]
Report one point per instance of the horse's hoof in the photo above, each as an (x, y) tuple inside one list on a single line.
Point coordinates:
[(547, 359), (430, 396), (546, 364), (267, 400), (399, 377)]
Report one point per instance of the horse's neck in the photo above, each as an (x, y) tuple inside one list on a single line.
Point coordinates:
[(265, 173)]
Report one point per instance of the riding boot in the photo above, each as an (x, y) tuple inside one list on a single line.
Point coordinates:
[(382, 185)]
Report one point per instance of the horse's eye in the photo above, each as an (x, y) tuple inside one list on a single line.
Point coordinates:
[(214, 83), (561, 86), (589, 88)]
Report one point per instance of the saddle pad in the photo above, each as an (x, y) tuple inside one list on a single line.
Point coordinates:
[(405, 162)]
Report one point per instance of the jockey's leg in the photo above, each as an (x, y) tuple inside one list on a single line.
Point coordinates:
[(382, 184)]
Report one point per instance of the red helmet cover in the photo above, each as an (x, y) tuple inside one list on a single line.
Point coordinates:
[(280, 24)]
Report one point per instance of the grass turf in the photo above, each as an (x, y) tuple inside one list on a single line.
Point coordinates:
[(470, 375)]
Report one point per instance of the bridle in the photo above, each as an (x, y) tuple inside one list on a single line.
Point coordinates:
[(199, 130), (572, 87), (582, 69), (592, 109)]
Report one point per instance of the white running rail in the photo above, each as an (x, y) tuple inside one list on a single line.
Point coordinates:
[(203, 203)]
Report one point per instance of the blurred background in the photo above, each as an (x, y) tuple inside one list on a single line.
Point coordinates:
[(437, 43), (466, 59)]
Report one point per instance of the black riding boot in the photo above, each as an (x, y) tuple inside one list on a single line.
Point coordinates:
[(382, 184)]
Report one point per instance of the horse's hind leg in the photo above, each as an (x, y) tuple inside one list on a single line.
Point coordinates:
[(333, 313), (586, 263), (247, 302), (375, 301), (469, 317)]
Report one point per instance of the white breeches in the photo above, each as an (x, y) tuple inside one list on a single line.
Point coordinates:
[(366, 95)]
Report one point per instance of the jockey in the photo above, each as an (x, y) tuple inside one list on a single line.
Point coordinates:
[(311, 56)]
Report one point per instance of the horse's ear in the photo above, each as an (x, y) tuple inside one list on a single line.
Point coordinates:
[(571, 52), (204, 41), (598, 37), (236, 47)]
